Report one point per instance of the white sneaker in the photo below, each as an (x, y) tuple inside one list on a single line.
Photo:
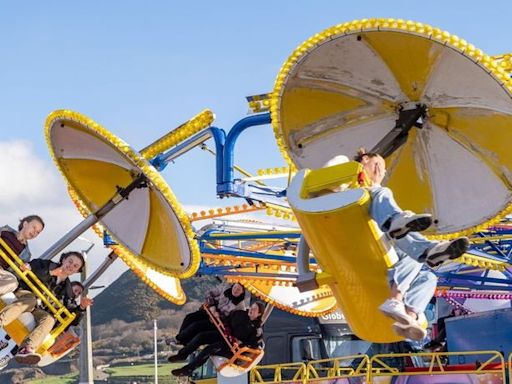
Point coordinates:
[(396, 310), (27, 356), (416, 330), (408, 221), (422, 320), (4, 361), (446, 250)]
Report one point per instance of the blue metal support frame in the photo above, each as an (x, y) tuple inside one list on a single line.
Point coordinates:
[(227, 187), (219, 136), (474, 282), (208, 271), (252, 236), (241, 253)]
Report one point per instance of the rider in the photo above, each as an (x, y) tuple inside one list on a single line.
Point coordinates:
[(28, 228), (221, 303), (55, 277), (412, 283), (403, 225), (70, 303), (245, 327)]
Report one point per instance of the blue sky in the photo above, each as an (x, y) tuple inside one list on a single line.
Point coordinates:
[(140, 68)]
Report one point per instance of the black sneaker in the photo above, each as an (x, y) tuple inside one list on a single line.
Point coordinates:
[(446, 250), (434, 346), (176, 358), (3, 344), (183, 371)]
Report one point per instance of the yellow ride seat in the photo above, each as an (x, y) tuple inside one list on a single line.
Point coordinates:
[(241, 362), (348, 245), (21, 327), (243, 359)]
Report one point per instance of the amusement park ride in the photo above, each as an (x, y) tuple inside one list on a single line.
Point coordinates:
[(437, 108)]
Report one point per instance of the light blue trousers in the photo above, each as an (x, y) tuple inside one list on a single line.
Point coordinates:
[(414, 280), (383, 208)]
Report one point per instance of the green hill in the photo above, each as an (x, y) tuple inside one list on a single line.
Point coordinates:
[(129, 299)]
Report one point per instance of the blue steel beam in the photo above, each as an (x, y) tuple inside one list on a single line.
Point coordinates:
[(226, 188), (250, 236), (219, 136), (241, 253)]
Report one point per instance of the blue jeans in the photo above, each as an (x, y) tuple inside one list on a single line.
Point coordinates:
[(414, 280), (383, 209)]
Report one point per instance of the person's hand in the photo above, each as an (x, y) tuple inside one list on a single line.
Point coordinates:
[(378, 173), (86, 302), (26, 267), (375, 170)]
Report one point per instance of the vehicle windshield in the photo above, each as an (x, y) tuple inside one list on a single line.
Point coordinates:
[(346, 345)]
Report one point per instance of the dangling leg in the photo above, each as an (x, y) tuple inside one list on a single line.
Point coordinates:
[(431, 252), (416, 299), (391, 218), (200, 359), (401, 276), (187, 334), (201, 338)]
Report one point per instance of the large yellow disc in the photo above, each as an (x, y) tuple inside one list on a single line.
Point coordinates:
[(343, 88), (151, 228), (168, 287)]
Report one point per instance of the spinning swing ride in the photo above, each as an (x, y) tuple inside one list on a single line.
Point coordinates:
[(437, 108)]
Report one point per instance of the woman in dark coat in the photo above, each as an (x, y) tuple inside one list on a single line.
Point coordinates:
[(244, 326), (221, 303)]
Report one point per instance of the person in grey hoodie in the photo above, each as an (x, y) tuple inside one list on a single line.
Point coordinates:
[(17, 240)]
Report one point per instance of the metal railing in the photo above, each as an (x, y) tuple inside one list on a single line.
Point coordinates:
[(488, 365), (339, 368), (279, 373), (438, 364), (53, 305)]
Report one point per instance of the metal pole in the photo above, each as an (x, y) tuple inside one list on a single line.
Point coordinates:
[(155, 328), (86, 363), (85, 360), (306, 281), (69, 237), (99, 271), (92, 219)]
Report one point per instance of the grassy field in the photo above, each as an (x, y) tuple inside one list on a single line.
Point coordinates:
[(141, 370), (68, 379)]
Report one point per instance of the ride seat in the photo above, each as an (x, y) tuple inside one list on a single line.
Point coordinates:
[(352, 252)]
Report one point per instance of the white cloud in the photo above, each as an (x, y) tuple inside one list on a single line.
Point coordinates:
[(27, 179), (33, 185)]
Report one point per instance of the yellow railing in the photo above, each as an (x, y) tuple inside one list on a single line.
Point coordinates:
[(436, 364), (279, 373), (61, 314), (509, 367), (379, 367), (338, 368), (199, 122)]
